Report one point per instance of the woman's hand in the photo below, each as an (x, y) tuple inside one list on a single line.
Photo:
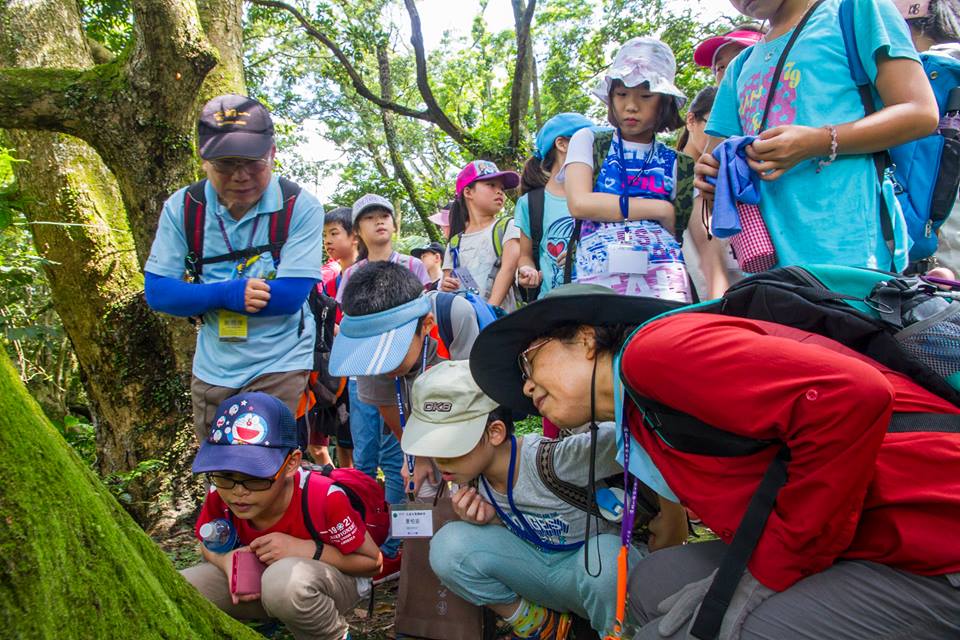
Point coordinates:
[(472, 507), (777, 150), (706, 167), (528, 277)]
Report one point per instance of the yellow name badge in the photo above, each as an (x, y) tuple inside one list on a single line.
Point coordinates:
[(232, 326)]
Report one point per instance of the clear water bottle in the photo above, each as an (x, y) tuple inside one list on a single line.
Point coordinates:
[(219, 536)]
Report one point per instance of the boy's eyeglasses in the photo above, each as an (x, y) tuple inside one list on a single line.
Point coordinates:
[(526, 369), (230, 167), (250, 484)]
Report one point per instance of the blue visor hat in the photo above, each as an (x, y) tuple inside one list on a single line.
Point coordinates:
[(252, 433), (562, 125), (376, 343)]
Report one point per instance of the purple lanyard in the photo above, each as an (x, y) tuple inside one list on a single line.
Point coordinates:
[(631, 488), (403, 417), (226, 240)]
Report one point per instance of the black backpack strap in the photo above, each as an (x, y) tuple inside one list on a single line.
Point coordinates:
[(280, 220), (924, 422), (305, 508), (571, 252), (444, 308), (570, 493), (707, 624), (194, 217), (536, 203)]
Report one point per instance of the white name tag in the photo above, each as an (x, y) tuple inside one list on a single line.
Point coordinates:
[(625, 258), (411, 523)]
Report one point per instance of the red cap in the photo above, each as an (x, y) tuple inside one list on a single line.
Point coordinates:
[(705, 52)]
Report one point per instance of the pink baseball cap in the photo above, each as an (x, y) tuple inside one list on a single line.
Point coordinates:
[(485, 170), (706, 51)]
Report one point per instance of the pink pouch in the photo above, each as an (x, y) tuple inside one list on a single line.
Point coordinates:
[(245, 573), (753, 246)]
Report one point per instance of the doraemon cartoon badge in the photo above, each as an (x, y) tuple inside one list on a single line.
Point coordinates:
[(248, 428)]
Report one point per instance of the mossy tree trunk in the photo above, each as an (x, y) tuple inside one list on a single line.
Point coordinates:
[(73, 564), (93, 223)]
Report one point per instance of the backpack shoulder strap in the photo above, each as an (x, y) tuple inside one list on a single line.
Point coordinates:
[(497, 232), (683, 195), (602, 139), (305, 507), (573, 495), (572, 251), (280, 220), (194, 218), (536, 201), (444, 307)]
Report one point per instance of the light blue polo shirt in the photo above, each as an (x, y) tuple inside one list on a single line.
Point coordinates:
[(831, 217), (274, 343)]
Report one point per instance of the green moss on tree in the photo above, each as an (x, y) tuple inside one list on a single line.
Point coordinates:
[(73, 564)]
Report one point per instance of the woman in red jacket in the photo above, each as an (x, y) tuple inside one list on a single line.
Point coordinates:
[(862, 541)]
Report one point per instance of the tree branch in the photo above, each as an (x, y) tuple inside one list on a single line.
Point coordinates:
[(520, 91), (49, 99), (356, 80), (440, 118)]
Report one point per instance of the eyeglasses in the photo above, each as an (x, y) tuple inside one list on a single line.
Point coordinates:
[(526, 369), (230, 167), (250, 484)]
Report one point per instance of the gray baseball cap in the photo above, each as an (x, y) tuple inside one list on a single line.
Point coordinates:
[(448, 412), (371, 201)]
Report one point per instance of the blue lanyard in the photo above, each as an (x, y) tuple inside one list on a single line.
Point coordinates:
[(523, 531), (624, 176), (403, 416)]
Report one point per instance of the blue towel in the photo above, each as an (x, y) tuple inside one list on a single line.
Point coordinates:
[(736, 182)]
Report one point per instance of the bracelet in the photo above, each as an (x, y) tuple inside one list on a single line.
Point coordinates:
[(834, 145), (624, 205), (316, 554)]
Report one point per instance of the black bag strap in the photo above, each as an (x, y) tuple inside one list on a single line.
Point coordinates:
[(706, 626), (194, 217), (924, 422), (444, 307), (571, 252), (536, 200), (305, 508)]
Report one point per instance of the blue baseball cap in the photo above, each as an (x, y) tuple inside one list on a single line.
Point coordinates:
[(562, 125), (376, 343), (252, 433)]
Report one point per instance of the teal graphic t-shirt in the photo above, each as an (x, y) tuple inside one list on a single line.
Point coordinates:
[(557, 227), (832, 217)]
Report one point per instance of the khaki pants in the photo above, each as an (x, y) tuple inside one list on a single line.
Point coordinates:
[(310, 597), (288, 386)]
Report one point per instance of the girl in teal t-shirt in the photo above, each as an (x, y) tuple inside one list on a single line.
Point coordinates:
[(820, 194), (540, 172)]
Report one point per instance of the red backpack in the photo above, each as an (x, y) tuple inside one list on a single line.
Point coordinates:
[(365, 495)]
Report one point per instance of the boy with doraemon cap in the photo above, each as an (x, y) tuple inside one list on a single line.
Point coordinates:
[(252, 461)]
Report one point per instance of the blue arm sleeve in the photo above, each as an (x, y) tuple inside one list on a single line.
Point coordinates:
[(287, 295), (179, 298)]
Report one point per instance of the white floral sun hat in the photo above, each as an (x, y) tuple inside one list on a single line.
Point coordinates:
[(642, 60)]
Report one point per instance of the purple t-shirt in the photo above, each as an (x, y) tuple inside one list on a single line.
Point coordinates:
[(413, 264)]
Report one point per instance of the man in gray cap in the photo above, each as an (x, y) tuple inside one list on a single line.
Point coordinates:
[(240, 250)]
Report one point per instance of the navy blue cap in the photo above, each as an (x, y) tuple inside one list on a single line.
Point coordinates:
[(234, 126), (435, 247), (252, 433)]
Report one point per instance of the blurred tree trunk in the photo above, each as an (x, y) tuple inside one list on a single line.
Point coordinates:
[(95, 222), (74, 565)]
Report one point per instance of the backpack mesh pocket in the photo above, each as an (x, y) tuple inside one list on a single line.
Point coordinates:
[(935, 341)]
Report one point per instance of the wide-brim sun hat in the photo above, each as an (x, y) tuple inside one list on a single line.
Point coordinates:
[(706, 52), (642, 60), (376, 343), (493, 359)]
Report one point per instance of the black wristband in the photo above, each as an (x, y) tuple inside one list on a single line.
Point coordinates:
[(316, 554)]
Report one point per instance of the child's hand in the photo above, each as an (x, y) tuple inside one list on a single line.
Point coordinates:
[(472, 507), (777, 150), (449, 284), (256, 295), (562, 259), (528, 277), (276, 546), (706, 167)]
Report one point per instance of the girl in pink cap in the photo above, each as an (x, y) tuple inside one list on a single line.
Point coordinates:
[(718, 52), (484, 248)]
